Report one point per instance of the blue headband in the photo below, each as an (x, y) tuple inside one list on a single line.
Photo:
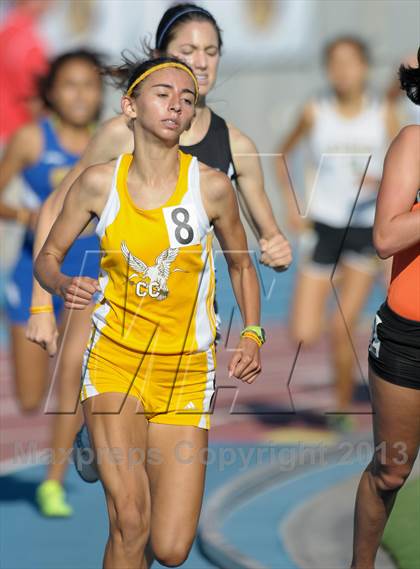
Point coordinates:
[(175, 18)]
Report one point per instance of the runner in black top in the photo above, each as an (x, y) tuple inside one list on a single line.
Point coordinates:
[(214, 149)]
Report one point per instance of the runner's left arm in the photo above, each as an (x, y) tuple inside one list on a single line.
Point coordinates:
[(224, 213)]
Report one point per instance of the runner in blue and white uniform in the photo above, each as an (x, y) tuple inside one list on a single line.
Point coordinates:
[(42, 153)]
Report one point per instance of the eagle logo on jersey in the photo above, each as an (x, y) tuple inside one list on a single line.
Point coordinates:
[(157, 274)]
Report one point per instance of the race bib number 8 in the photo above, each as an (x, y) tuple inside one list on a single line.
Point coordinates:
[(182, 226)]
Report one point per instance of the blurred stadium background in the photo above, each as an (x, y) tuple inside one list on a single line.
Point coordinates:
[(280, 486)]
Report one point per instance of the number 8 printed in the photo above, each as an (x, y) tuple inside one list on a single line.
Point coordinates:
[(182, 226)]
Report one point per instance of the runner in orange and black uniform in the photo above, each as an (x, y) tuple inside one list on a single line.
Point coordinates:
[(394, 350)]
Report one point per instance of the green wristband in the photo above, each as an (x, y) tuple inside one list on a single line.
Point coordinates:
[(257, 330)]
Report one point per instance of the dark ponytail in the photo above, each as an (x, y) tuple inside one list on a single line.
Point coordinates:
[(410, 80)]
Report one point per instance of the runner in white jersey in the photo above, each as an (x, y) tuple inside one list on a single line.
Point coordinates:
[(340, 149), (347, 131)]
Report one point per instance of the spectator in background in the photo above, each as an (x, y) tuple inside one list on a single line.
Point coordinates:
[(23, 58)]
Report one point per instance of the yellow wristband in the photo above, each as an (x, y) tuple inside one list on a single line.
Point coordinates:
[(252, 337), (40, 309)]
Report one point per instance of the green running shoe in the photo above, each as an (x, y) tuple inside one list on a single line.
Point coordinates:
[(51, 500)]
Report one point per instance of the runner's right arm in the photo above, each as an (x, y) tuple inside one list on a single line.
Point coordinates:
[(84, 201), (112, 139)]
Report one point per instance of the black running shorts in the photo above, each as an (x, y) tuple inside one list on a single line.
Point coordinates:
[(394, 349)]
